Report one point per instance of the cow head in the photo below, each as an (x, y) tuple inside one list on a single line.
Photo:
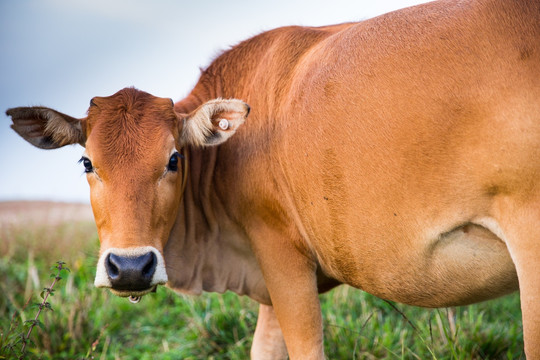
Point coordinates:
[(135, 164)]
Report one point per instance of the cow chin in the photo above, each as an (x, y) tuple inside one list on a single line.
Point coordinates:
[(130, 287)]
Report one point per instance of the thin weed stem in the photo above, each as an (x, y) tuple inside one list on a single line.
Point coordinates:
[(44, 305)]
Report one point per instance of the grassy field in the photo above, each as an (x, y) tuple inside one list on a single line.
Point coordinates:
[(87, 323)]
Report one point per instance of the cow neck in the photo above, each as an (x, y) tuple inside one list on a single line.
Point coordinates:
[(206, 250)]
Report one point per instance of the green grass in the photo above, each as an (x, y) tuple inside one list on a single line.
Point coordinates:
[(90, 323)]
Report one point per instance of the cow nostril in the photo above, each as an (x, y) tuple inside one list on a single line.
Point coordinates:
[(150, 267), (111, 264)]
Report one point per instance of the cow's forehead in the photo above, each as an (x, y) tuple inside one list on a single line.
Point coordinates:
[(130, 106), (130, 124)]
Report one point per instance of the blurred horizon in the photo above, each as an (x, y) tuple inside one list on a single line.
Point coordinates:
[(61, 53)]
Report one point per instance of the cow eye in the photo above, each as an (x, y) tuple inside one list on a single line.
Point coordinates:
[(88, 168), (173, 162)]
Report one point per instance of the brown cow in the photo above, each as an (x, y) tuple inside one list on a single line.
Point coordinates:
[(400, 155)]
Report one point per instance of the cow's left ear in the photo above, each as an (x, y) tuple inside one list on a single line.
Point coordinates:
[(213, 122)]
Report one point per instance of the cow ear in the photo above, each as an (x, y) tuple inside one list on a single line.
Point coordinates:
[(46, 128), (214, 122)]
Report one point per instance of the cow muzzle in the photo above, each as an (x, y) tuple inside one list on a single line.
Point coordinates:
[(131, 272)]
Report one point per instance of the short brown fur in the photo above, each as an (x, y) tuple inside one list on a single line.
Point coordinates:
[(400, 155)]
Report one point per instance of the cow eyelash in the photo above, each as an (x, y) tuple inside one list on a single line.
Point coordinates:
[(88, 168), (173, 162)]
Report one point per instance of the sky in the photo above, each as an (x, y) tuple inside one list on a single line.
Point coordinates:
[(61, 53)]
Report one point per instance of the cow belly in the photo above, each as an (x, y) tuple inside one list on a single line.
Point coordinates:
[(465, 265)]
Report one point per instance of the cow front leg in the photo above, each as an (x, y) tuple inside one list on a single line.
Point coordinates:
[(520, 224), (268, 343), (290, 276)]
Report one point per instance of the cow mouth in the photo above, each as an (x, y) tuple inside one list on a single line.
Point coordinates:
[(133, 293)]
